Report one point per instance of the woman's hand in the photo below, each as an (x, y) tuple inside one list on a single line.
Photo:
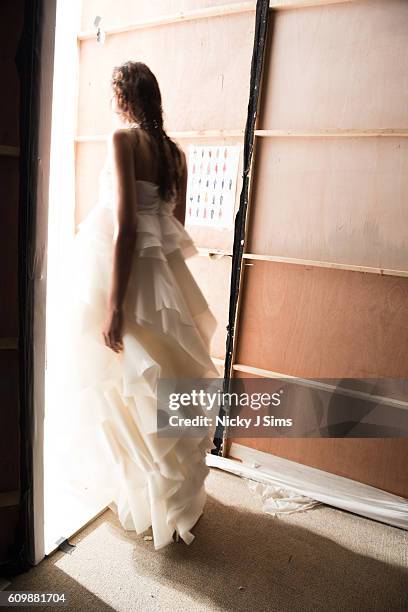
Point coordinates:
[(113, 329)]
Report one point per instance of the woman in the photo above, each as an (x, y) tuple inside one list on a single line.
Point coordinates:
[(139, 317)]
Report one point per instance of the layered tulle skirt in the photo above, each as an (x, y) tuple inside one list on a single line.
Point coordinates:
[(151, 480)]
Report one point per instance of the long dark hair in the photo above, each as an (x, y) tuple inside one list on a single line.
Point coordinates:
[(138, 97)]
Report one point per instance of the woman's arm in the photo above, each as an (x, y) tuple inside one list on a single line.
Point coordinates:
[(124, 192), (180, 209)]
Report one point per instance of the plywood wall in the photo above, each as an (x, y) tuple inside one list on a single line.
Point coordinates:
[(203, 88), (316, 322), (335, 200), (333, 204)]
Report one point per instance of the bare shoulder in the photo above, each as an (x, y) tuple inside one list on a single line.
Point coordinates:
[(120, 146), (121, 137)]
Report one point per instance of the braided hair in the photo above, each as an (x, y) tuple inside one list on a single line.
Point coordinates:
[(139, 99)]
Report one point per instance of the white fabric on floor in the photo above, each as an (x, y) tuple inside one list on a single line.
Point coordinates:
[(280, 500)]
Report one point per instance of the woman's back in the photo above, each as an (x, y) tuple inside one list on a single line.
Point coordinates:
[(145, 150), (146, 154)]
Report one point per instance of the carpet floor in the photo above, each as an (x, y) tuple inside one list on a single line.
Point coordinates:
[(242, 559)]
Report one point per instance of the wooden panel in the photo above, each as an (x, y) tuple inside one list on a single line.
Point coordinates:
[(9, 177), (317, 322), (9, 421), (213, 277), (205, 88), (334, 200), (11, 21), (338, 66), (127, 11)]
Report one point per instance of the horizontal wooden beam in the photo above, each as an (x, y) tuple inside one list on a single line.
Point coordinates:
[(180, 17), (296, 4), (207, 134), (218, 361), (187, 134), (235, 8), (316, 384), (9, 151), (334, 133), (329, 133), (327, 264)]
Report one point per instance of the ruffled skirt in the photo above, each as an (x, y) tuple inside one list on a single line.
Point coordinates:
[(150, 480)]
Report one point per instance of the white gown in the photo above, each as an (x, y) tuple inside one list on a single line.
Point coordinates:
[(151, 480)]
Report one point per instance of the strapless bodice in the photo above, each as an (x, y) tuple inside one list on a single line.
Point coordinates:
[(149, 201), (159, 232)]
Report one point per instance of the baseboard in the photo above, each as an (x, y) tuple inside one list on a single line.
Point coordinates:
[(327, 488)]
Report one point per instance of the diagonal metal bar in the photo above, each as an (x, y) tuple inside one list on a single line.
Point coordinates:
[(258, 54)]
